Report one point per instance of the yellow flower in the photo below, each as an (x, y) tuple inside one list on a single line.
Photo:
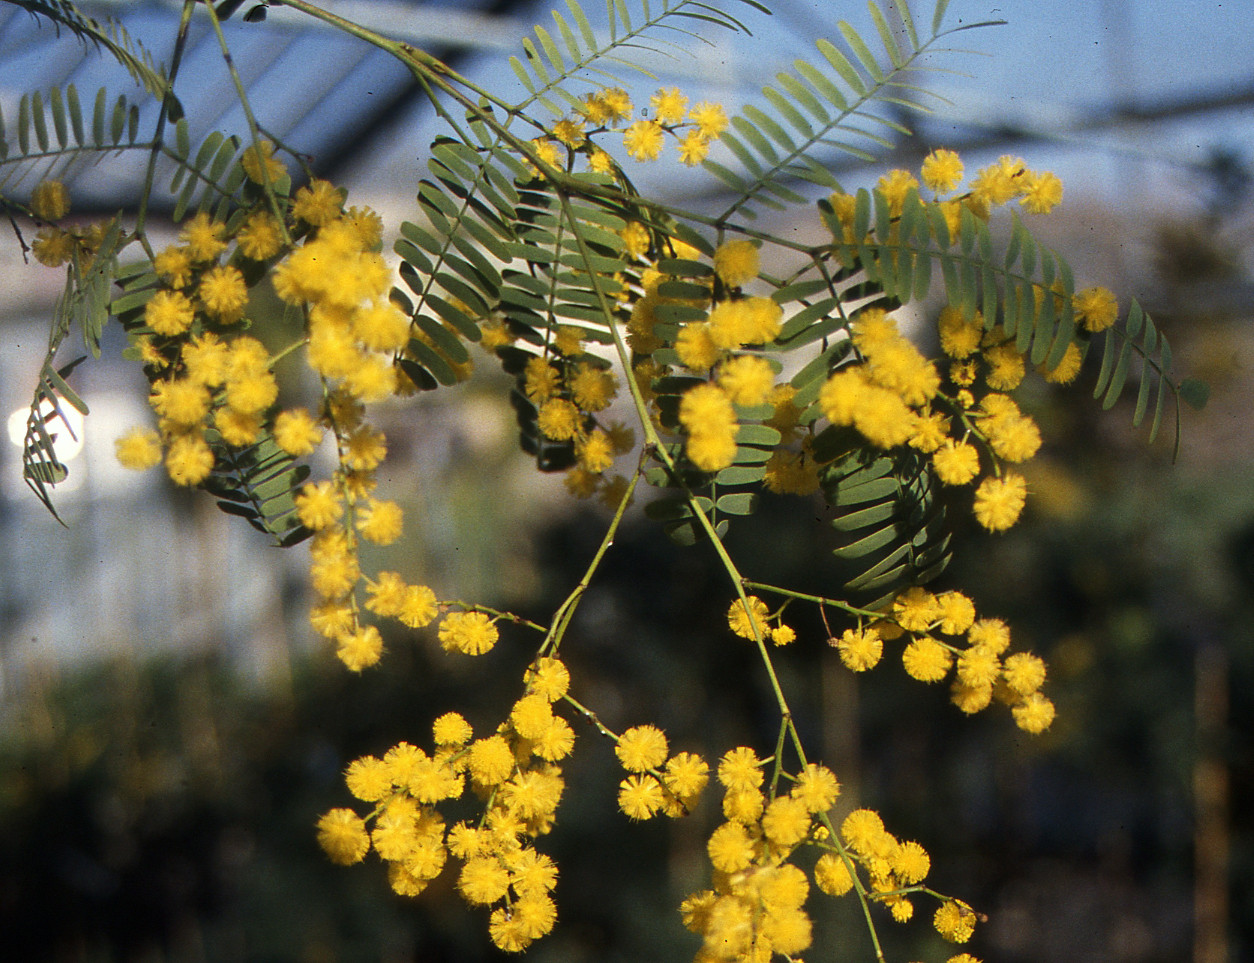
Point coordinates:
[(50, 201), (559, 419), (668, 105), (740, 768), (832, 875), (954, 921), (189, 460), (318, 505), (1034, 714), (1024, 673), (169, 313), (942, 170), (1095, 308), (483, 880), (380, 522), (138, 449), (174, 265), (223, 293), (261, 165), (318, 203), (694, 148), (640, 797), (641, 747), (1042, 192), (470, 632), (786, 821), (203, 238), (342, 836), (368, 779), (696, 349), (956, 462), (926, 659), (260, 236), (710, 119), (360, 649), (451, 729), (549, 677), (860, 649), (643, 140), (686, 775), (749, 622), (490, 760), (999, 501), (736, 262), (296, 432), (418, 608), (236, 428), (746, 379), (730, 848)]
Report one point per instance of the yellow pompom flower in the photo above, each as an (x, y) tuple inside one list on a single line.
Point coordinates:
[(50, 201), (786, 821), (832, 875), (686, 775), (978, 667), (549, 677), (999, 501), (380, 522), (1024, 673), (641, 748), (483, 880), (174, 265), (318, 505), (418, 608), (926, 659), (863, 831), (223, 293), (1095, 309), (993, 634), (954, 921), (640, 797), (342, 836), (138, 449), (261, 165), (860, 649), (942, 170), (1067, 368), (296, 432), (750, 622), (911, 863), (470, 632), (592, 388), (955, 612), (668, 105), (711, 119), (556, 742), (746, 379), (707, 413), (169, 313), (368, 779), (236, 428), (1042, 192), (531, 716), (695, 346), (360, 649), (730, 848), (189, 460), (956, 462), (203, 238), (736, 262), (451, 729), (559, 419), (817, 787), (260, 237), (1034, 714), (381, 326), (694, 147), (490, 760), (740, 769), (643, 140)]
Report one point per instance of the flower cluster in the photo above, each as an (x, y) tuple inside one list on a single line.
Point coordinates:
[(754, 621), (514, 772), (983, 668), (693, 129), (657, 782), (55, 244)]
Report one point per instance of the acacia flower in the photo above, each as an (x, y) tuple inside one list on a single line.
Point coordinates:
[(138, 449), (730, 848), (736, 262), (641, 747), (954, 921), (942, 170), (643, 140), (817, 787), (169, 313), (999, 501), (711, 119), (1034, 714), (342, 836), (832, 875), (470, 632), (740, 768), (50, 201), (926, 659), (860, 649), (640, 796)]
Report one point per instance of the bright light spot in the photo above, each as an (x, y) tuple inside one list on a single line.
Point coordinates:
[(66, 443)]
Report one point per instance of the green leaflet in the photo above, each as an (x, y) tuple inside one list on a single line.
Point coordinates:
[(890, 524)]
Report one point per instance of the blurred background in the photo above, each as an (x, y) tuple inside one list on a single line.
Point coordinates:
[(169, 729)]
